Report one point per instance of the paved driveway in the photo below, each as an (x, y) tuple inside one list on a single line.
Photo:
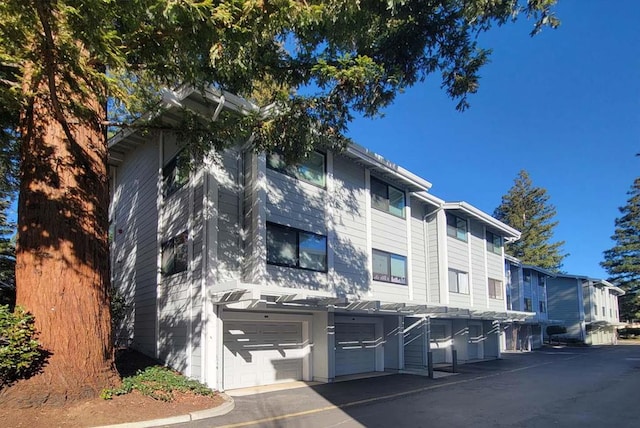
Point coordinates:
[(569, 387)]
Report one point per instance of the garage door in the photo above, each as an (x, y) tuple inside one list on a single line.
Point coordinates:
[(439, 343), (262, 353), (475, 342), (355, 348), (414, 342)]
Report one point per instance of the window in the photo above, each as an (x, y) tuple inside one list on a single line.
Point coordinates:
[(175, 173), (543, 307), (311, 169), (457, 227), (296, 248), (542, 279), (527, 304), (175, 254), (389, 267), (494, 243), (604, 311), (458, 281), (595, 310), (527, 277), (495, 289), (387, 198)]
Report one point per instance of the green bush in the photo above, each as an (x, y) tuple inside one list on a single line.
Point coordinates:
[(629, 333), (159, 383), (20, 353)]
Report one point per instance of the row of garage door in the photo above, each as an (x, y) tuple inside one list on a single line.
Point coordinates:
[(261, 353)]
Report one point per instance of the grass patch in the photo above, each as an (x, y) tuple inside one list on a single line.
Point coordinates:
[(159, 383)]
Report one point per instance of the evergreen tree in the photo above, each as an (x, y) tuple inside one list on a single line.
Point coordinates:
[(316, 63), (527, 209), (622, 261)]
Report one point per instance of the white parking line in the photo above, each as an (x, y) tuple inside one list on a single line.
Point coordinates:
[(385, 397)]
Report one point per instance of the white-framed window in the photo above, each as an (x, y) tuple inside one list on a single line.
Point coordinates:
[(495, 289), (528, 307), (494, 243), (311, 169), (175, 254), (543, 307), (387, 198), (458, 281), (290, 247), (389, 267), (542, 280), (457, 227), (175, 174)]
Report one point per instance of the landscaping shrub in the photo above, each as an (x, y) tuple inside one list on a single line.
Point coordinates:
[(20, 353), (159, 383), (629, 333)]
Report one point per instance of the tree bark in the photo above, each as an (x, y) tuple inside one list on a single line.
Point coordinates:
[(62, 255)]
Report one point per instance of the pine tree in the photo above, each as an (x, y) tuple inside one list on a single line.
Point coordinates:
[(622, 261), (527, 209)]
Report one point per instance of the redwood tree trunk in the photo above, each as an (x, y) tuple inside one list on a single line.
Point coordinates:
[(62, 269)]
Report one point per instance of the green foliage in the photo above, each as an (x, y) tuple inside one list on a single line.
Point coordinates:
[(622, 261), (20, 355), (629, 333), (317, 61), (158, 383), (527, 209), (119, 306)]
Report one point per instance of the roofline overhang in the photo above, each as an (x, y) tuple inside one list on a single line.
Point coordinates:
[(606, 284), (429, 198), (539, 269), (173, 100), (508, 231), (378, 163)]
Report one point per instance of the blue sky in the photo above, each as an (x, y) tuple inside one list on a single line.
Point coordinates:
[(563, 105)]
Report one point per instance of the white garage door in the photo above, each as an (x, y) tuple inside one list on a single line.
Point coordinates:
[(355, 348), (261, 353), (475, 342), (439, 343), (414, 342)]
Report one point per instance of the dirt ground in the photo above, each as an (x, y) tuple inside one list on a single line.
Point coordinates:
[(131, 407)]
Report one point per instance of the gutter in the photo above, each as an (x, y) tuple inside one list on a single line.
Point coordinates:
[(512, 234)]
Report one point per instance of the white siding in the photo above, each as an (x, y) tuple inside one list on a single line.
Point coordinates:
[(389, 233), (419, 271), (458, 259), (135, 219), (478, 271), (351, 255), (292, 202), (434, 268), (229, 215)]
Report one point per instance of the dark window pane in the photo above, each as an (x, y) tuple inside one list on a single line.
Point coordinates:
[(312, 169), (281, 246), (396, 202), (379, 195), (398, 269), (313, 251), (381, 267)]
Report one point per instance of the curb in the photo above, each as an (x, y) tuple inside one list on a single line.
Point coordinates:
[(223, 409)]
